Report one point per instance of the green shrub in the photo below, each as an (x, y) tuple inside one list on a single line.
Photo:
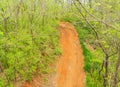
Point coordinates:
[(28, 40)]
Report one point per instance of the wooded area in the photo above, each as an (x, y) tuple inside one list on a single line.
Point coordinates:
[(29, 38)]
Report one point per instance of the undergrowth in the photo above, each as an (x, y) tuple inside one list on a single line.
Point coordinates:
[(28, 40), (91, 63), (89, 60)]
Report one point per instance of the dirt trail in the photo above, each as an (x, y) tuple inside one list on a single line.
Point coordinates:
[(70, 72)]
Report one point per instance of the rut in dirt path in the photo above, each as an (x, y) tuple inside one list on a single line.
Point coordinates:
[(70, 71)]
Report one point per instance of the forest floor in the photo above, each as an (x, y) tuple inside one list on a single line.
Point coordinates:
[(70, 65)]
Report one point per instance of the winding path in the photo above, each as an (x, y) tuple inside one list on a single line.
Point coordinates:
[(70, 71)]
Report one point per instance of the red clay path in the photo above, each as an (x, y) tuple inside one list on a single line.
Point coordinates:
[(70, 71)]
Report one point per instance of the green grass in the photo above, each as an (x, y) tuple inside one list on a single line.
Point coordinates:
[(83, 34), (90, 60)]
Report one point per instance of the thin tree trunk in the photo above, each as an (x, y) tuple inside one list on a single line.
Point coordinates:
[(90, 3), (117, 69), (6, 47), (106, 71)]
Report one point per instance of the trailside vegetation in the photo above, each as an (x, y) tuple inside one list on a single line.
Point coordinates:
[(97, 23), (28, 39)]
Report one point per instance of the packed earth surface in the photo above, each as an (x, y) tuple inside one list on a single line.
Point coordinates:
[(70, 65)]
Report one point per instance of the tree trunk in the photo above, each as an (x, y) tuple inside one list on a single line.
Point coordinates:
[(117, 69), (90, 3), (106, 71)]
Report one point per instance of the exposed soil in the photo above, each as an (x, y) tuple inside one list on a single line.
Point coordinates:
[(36, 82), (69, 67), (70, 71)]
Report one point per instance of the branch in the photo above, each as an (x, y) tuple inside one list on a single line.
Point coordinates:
[(102, 67), (93, 28), (98, 18)]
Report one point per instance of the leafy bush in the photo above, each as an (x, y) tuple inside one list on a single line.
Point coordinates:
[(28, 40)]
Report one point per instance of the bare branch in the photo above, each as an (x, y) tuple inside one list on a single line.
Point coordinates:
[(98, 18)]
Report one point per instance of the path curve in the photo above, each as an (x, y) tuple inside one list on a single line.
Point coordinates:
[(70, 71)]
